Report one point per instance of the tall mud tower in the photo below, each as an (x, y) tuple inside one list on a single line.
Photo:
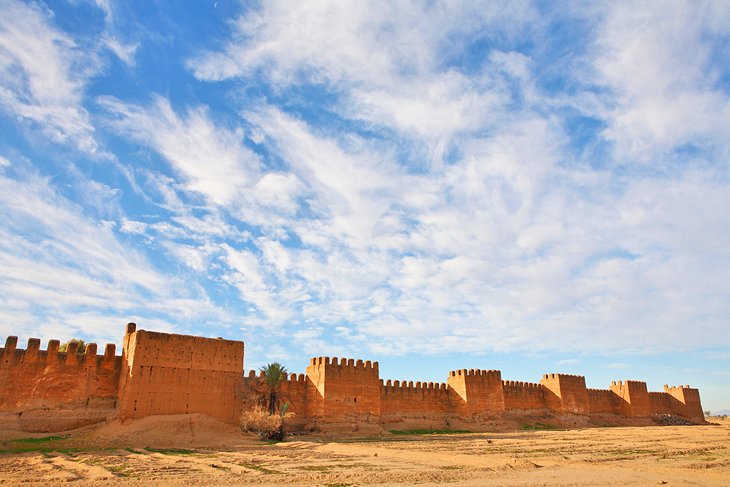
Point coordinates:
[(178, 374), (345, 392)]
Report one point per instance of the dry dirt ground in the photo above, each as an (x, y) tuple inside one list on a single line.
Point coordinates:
[(199, 451)]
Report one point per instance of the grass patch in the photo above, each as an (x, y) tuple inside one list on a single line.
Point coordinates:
[(630, 452), (46, 450), (316, 468), (171, 451), (119, 470), (536, 427), (35, 441), (428, 432), (26, 449), (260, 468), (37, 445), (327, 468)]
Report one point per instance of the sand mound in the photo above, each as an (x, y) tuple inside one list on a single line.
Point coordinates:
[(170, 431)]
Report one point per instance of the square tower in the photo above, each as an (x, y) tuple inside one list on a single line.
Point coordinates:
[(343, 391), (164, 373)]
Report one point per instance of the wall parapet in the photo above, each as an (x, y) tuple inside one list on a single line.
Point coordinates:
[(11, 355), (346, 362), (35, 379), (413, 388)]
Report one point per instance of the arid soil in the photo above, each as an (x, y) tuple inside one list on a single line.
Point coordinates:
[(197, 450)]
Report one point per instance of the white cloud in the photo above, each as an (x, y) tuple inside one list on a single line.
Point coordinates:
[(106, 7), (125, 52), (59, 264), (387, 59), (509, 243), (43, 73), (617, 365), (135, 227), (212, 160), (659, 65)]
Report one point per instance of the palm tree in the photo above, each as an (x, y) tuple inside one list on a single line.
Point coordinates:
[(274, 374)]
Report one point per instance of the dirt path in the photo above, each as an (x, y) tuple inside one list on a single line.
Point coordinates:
[(674, 455)]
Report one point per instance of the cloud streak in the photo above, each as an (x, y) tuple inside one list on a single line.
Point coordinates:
[(43, 72)]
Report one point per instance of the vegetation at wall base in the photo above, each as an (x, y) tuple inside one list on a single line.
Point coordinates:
[(536, 427), (428, 432)]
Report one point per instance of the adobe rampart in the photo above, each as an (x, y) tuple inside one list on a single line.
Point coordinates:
[(79, 389), (162, 373)]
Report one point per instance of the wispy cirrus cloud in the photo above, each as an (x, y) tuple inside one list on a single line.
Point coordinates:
[(60, 264), (513, 239), (656, 108), (43, 73)]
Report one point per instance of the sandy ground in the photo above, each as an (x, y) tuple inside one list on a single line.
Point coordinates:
[(200, 451)]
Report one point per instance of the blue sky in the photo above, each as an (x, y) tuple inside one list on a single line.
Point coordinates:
[(535, 187)]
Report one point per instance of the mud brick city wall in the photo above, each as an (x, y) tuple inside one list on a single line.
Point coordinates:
[(634, 398), (343, 390), (161, 373), (425, 403), (523, 396), (177, 374), (479, 393), (82, 387), (684, 401), (570, 391), (602, 401)]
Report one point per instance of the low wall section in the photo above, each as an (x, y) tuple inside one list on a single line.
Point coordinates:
[(51, 390), (523, 396), (602, 401), (416, 405)]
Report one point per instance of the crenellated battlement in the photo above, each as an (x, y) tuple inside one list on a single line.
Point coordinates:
[(344, 362), (33, 379), (11, 355), (297, 378), (413, 388), (254, 374), (477, 375), (623, 387), (563, 376), (487, 374), (522, 385), (598, 391), (627, 383)]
